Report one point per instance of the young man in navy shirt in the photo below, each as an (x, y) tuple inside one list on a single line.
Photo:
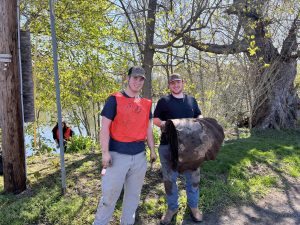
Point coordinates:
[(177, 105), (126, 125)]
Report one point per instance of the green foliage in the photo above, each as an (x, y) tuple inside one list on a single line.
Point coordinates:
[(42, 146), (253, 48), (80, 144), (90, 64), (156, 134)]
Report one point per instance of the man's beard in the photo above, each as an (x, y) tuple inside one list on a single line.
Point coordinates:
[(177, 91)]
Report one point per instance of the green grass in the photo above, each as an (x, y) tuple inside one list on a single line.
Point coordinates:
[(248, 168), (244, 171)]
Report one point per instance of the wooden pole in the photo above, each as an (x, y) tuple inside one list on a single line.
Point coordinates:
[(10, 101)]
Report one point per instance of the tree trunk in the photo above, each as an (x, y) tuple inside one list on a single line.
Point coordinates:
[(149, 50), (10, 107), (276, 100)]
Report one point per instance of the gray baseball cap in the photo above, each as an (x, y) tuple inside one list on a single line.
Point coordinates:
[(175, 76), (137, 71)]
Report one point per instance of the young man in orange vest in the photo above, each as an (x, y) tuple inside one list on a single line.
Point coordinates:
[(126, 125)]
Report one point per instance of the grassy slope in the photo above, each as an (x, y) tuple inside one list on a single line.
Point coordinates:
[(246, 169)]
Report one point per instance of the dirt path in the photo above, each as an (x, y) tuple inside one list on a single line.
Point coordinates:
[(278, 207)]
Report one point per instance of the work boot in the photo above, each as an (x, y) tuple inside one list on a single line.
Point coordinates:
[(168, 216), (196, 215)]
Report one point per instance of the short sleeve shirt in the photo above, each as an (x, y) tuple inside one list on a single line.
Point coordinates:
[(169, 107)]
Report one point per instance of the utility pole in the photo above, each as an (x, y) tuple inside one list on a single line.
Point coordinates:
[(13, 149)]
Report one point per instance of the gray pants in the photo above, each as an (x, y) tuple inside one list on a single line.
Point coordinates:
[(127, 170)]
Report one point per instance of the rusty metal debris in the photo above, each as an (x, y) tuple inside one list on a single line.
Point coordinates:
[(193, 141)]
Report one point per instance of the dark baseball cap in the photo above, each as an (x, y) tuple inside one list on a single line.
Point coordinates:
[(137, 71), (175, 76)]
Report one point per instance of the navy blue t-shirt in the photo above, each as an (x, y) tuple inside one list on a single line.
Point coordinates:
[(129, 148), (169, 107)]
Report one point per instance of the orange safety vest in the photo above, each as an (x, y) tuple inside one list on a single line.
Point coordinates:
[(67, 133), (132, 119)]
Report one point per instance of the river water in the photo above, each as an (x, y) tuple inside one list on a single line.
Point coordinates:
[(46, 136)]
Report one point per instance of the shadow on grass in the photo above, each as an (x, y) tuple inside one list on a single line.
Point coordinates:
[(263, 154), (224, 182), (45, 196), (227, 181)]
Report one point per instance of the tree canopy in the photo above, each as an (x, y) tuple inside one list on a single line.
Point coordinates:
[(98, 41)]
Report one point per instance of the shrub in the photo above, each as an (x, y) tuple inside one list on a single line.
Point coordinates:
[(80, 144), (42, 147), (156, 135)]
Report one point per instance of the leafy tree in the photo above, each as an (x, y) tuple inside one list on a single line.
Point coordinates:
[(260, 28), (89, 59)]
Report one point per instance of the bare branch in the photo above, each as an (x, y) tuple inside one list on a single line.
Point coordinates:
[(235, 47), (290, 44), (132, 26), (239, 26), (187, 27)]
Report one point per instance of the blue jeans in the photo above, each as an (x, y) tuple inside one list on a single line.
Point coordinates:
[(192, 179)]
